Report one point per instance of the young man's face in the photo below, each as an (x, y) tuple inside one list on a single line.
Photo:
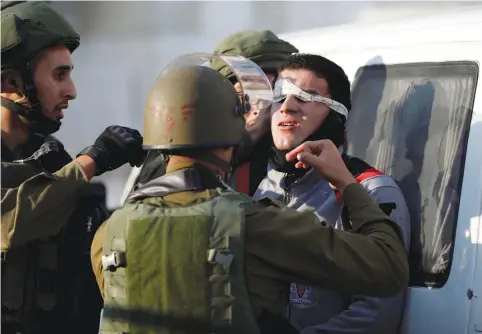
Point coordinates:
[(293, 120), (53, 82)]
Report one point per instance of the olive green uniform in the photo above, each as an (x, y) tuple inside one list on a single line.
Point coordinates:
[(282, 246), (46, 199), (47, 224)]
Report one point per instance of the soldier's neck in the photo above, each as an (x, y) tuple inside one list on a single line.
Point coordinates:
[(176, 160), (14, 132)]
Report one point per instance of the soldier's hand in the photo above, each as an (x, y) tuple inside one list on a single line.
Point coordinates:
[(325, 158), (116, 146)]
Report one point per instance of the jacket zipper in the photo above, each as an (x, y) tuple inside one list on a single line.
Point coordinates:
[(287, 191)]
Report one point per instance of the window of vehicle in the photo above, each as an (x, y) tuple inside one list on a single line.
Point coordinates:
[(412, 122)]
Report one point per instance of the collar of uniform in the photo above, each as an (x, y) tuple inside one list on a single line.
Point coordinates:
[(180, 165), (186, 197)]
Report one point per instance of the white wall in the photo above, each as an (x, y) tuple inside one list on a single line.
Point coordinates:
[(124, 45)]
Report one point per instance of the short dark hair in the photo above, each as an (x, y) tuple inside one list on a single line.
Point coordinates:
[(338, 83)]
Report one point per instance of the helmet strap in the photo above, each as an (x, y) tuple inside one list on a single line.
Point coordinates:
[(208, 157), (37, 122), (28, 85)]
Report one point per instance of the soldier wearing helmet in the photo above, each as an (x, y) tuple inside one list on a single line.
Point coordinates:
[(267, 51), (186, 253), (49, 210)]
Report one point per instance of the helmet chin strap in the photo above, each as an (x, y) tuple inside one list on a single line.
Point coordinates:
[(36, 120), (210, 158), (38, 124)]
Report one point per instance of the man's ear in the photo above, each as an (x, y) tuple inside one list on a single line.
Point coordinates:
[(11, 81)]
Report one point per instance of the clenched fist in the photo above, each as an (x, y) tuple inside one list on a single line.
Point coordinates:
[(116, 146)]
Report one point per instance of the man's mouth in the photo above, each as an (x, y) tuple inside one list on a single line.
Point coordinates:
[(287, 125), (251, 123), (60, 111)]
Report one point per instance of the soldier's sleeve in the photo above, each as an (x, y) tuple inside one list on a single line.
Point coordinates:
[(41, 205), (96, 257), (293, 246)]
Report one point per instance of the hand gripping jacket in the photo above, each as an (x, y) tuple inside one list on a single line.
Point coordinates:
[(47, 284), (177, 269)]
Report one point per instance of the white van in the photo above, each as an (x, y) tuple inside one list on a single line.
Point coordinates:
[(417, 115)]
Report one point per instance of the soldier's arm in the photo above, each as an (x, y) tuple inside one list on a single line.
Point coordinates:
[(42, 205), (294, 247), (366, 315), (96, 257)]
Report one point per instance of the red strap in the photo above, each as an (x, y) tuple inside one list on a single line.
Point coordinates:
[(360, 178), (242, 178)]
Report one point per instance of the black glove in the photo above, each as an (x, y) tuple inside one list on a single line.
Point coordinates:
[(116, 146)]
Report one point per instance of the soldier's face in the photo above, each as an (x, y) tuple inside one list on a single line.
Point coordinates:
[(293, 120), (53, 82), (252, 117)]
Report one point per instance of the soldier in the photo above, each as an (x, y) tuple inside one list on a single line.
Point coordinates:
[(187, 254), (48, 220), (269, 52)]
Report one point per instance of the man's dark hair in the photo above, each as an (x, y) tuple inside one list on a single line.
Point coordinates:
[(338, 83)]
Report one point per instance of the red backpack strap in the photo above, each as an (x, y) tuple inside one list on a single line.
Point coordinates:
[(242, 178), (361, 171)]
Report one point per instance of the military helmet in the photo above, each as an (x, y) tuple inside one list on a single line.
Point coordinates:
[(29, 27), (193, 106), (263, 47)]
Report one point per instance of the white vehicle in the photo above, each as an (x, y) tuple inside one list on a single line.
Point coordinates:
[(417, 115)]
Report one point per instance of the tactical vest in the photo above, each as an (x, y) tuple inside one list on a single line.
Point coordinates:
[(177, 269), (48, 285)]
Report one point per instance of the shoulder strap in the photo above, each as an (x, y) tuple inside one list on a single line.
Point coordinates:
[(361, 171)]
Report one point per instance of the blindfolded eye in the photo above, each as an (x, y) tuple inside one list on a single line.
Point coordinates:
[(303, 97)]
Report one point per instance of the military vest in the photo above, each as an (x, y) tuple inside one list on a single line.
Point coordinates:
[(170, 268), (48, 285)]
